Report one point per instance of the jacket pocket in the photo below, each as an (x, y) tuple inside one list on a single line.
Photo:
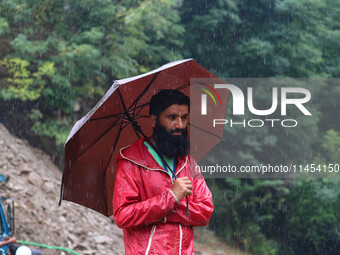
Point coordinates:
[(150, 239)]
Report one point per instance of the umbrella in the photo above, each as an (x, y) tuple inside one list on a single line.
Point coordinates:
[(119, 119)]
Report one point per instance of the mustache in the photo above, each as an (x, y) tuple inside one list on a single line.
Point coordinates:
[(176, 130)]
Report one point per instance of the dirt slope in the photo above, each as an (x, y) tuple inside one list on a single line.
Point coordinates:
[(34, 183)]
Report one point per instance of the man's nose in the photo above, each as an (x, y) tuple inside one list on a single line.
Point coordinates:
[(179, 123)]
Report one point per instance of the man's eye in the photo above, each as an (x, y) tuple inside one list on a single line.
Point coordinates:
[(185, 117), (172, 117)]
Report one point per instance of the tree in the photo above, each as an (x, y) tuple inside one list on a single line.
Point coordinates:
[(259, 39), (82, 47)]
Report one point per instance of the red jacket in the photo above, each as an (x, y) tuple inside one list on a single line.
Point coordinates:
[(152, 221)]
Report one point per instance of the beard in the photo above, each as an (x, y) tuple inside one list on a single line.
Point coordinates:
[(170, 145)]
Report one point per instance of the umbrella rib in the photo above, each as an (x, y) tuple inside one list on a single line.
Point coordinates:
[(144, 91), (98, 140), (63, 177), (184, 86), (108, 163), (137, 115), (135, 125), (147, 87), (208, 132), (118, 115), (141, 107), (106, 117), (100, 137), (126, 113)]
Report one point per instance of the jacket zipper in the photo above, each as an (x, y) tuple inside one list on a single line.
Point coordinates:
[(150, 239), (180, 239)]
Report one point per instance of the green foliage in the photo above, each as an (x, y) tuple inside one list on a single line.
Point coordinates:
[(312, 219), (289, 38), (21, 83), (25, 47), (4, 27), (153, 22), (263, 38), (51, 128), (330, 150), (332, 145), (278, 217), (244, 209), (62, 52)]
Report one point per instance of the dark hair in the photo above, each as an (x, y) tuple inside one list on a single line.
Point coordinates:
[(13, 248), (36, 252), (165, 98)]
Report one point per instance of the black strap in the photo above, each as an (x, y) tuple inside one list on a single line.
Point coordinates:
[(167, 166)]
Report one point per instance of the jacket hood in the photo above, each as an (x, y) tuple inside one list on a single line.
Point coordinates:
[(138, 154)]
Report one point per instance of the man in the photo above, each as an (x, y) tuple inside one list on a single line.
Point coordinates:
[(9, 241), (16, 249), (148, 202)]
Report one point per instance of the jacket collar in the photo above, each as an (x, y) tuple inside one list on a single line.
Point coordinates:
[(138, 154)]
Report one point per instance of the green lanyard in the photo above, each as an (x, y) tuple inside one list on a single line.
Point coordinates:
[(160, 161)]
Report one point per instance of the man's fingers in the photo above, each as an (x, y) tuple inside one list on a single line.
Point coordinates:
[(182, 187), (183, 178), (187, 184)]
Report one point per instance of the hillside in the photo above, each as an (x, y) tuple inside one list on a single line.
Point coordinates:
[(34, 184)]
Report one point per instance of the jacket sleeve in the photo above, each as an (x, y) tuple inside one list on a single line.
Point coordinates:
[(128, 210), (200, 206)]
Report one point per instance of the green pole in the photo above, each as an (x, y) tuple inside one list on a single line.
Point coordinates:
[(49, 247)]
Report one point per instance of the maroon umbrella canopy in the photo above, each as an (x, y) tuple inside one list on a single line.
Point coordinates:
[(115, 122)]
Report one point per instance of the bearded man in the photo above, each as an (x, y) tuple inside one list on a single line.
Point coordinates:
[(149, 202)]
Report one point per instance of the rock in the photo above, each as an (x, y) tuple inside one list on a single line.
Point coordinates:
[(102, 239), (49, 187), (15, 187), (35, 179), (91, 219)]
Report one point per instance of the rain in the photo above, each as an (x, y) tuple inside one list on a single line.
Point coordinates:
[(59, 58)]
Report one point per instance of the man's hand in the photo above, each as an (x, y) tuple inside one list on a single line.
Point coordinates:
[(182, 187), (7, 240)]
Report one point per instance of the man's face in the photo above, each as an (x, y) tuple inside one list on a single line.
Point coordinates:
[(174, 119), (170, 131)]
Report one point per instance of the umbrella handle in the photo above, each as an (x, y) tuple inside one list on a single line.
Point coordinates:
[(188, 212)]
